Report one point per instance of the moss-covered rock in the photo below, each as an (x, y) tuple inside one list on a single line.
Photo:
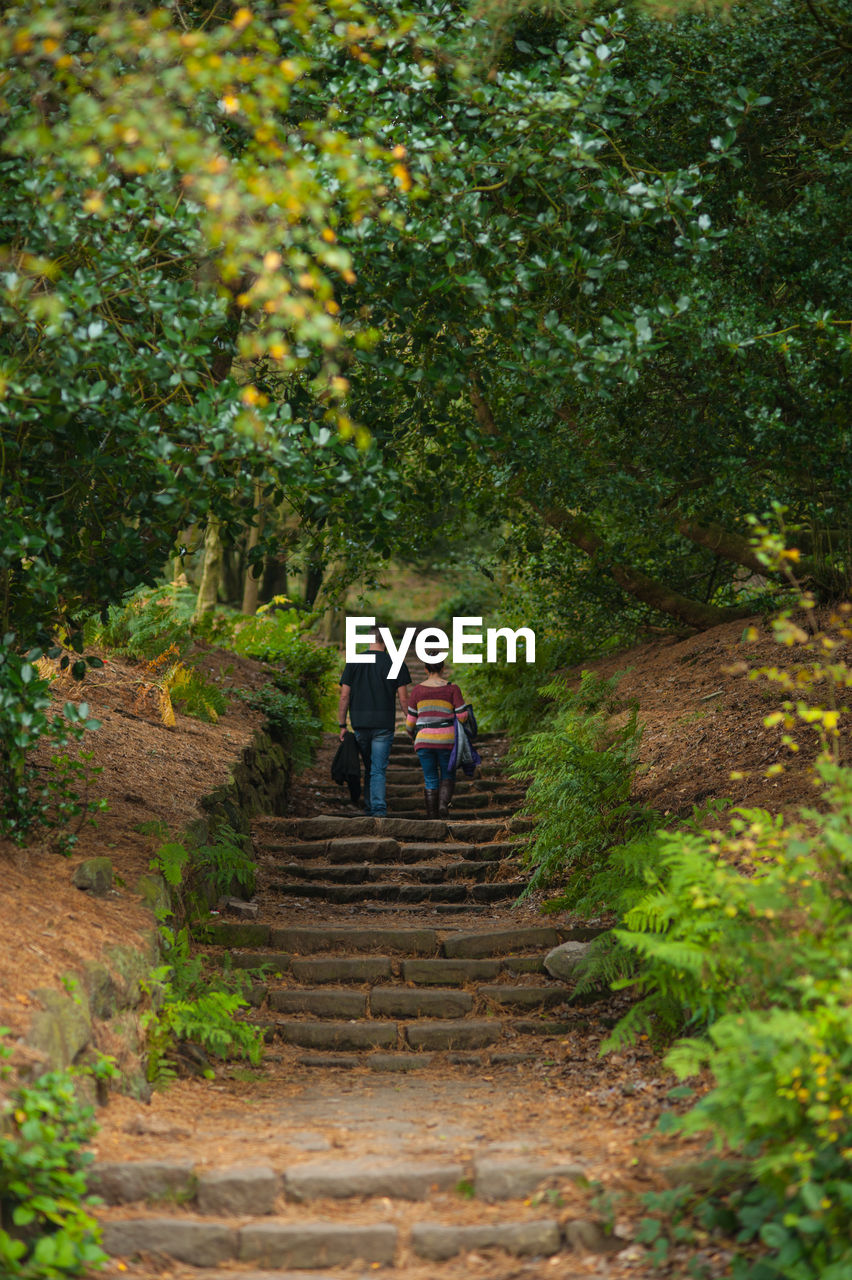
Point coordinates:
[(62, 1029), (95, 876)]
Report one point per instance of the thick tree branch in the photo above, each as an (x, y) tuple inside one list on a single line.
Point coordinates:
[(579, 531)]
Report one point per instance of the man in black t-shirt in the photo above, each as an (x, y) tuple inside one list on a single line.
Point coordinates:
[(368, 692)]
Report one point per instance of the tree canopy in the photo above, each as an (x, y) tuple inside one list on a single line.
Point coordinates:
[(582, 274)]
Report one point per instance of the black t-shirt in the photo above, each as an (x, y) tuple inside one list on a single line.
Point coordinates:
[(372, 704)]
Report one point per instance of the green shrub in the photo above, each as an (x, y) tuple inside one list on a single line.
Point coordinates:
[(744, 938), (32, 797), (580, 772), (290, 719), (46, 1230)]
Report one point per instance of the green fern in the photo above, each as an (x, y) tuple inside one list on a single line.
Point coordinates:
[(194, 696), (187, 1005), (580, 773), (147, 623)]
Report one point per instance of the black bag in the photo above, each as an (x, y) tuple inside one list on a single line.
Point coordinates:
[(346, 766)]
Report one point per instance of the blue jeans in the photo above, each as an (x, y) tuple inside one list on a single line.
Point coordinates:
[(434, 761), (375, 747)]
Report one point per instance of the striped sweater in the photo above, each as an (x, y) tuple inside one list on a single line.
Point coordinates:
[(432, 713)]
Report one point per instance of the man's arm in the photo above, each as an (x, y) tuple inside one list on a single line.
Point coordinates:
[(343, 707), (402, 695)]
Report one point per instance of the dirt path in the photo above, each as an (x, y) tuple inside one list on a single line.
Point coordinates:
[(430, 1104)]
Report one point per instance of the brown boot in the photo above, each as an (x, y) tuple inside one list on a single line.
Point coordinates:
[(431, 798), (445, 795)]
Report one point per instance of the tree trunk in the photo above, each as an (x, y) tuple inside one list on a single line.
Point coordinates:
[(208, 591), (313, 582), (636, 583), (251, 588), (274, 579)]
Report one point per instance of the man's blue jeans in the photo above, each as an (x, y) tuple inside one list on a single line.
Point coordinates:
[(375, 747), (434, 761)]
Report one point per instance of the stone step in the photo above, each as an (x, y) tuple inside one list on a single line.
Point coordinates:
[(470, 804), (284, 943), (253, 1190), (371, 849), (303, 1245), (335, 826), (490, 776), (423, 1034), (493, 764), (403, 798), (391, 891), (383, 1001), (439, 972), (421, 872), (462, 944)]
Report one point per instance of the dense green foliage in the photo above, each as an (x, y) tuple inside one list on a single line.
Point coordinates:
[(615, 313), (34, 798), (744, 934), (46, 1228), (580, 769)]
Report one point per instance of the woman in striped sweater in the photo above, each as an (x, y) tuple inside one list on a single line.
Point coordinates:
[(433, 708)]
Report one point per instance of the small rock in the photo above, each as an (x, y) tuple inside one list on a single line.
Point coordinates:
[(245, 910), (590, 1237), (143, 1125), (94, 876), (563, 961)]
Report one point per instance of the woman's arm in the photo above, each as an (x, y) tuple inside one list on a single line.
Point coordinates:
[(458, 701)]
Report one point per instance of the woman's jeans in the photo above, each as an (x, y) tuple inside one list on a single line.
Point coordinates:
[(375, 746), (434, 761)]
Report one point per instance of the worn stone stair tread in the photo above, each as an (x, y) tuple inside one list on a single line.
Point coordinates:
[(524, 997), (310, 940), (252, 1191), (465, 908), (342, 969), (429, 1002), (365, 873), (489, 942), (459, 1033), (309, 1246), (377, 1061), (366, 1177), (321, 1034), (332, 827), (322, 1002), (387, 891), (437, 1242)]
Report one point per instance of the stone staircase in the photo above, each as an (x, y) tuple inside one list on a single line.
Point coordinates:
[(383, 945)]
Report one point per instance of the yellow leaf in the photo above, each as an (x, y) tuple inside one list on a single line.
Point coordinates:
[(402, 176), (167, 711)]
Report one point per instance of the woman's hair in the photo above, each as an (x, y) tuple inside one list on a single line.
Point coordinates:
[(434, 667)]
